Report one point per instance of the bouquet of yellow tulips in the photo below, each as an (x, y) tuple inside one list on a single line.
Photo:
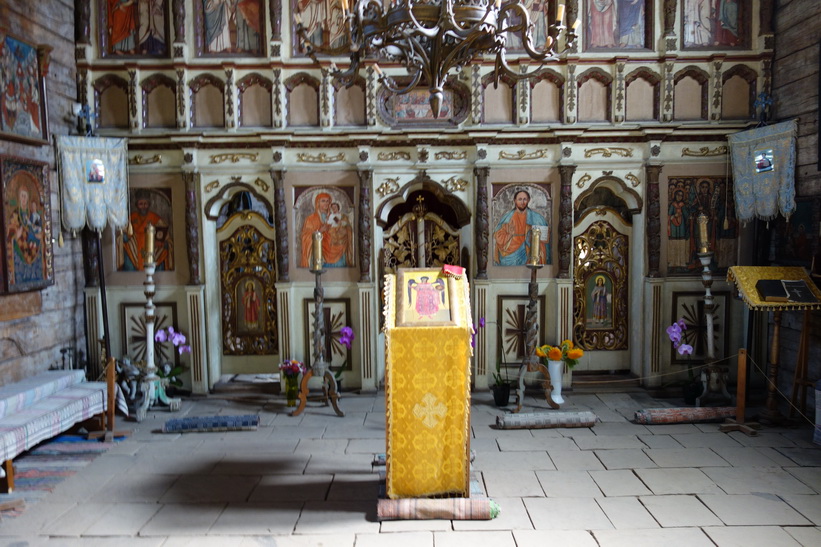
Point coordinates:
[(563, 352)]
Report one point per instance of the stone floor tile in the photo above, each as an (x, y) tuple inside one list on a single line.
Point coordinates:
[(77, 519), (631, 458), (659, 441), (396, 539), (805, 457), (811, 476), (748, 456), (753, 510), (512, 516), (750, 536), (333, 517), (668, 537), (672, 429), (530, 444), (121, 519), (369, 431), (566, 514), (210, 488), (542, 538), (525, 461), (615, 428), (256, 519), (183, 519), (608, 442), (676, 511), (258, 463), (321, 446), (627, 513), (619, 483), (324, 463), (568, 484), (366, 446), (461, 539), (809, 506), (573, 432), (765, 437), (685, 457), (391, 526), (570, 460), (706, 440), (750, 480), (295, 488), (354, 487), (34, 518), (677, 481), (506, 483), (805, 535), (549, 432)]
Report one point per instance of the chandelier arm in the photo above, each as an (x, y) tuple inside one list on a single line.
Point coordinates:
[(501, 65), (427, 32), (390, 83), (311, 49)]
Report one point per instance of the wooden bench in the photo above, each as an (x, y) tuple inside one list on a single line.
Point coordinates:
[(42, 407)]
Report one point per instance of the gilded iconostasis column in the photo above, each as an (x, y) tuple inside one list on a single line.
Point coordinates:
[(652, 173), (482, 221), (566, 219)]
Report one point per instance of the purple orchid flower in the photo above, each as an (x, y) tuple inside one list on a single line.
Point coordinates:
[(346, 336), (481, 322), (161, 336), (685, 349)]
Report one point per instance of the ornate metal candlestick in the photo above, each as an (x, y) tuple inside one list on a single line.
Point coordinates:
[(531, 363), (319, 366), (149, 291)]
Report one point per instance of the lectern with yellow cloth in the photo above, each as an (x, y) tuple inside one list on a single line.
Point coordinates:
[(427, 382)]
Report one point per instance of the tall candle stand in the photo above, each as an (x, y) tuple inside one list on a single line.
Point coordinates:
[(713, 377), (319, 366), (531, 362)]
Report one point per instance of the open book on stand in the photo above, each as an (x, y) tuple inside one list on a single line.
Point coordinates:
[(784, 290)]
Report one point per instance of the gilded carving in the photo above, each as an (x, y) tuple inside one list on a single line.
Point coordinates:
[(322, 157), (234, 158), (454, 185), (523, 155), (212, 185), (393, 156), (705, 151), (609, 152), (390, 185), (261, 184), (634, 180), (583, 180), (459, 155), (140, 160)]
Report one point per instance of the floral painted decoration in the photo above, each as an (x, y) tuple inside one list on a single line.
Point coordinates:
[(676, 333), (175, 337), (291, 368), (565, 351)]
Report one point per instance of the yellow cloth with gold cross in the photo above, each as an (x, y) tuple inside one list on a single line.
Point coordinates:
[(427, 383)]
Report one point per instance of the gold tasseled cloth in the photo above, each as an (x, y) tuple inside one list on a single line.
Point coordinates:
[(427, 393)]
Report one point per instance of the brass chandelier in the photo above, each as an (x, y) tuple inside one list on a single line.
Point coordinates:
[(430, 37)]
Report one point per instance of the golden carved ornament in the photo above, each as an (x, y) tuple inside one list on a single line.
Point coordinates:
[(234, 158), (140, 160), (322, 157), (390, 185), (455, 185), (522, 155), (459, 155), (634, 180), (609, 152), (261, 184), (584, 180), (212, 185), (705, 151), (393, 156)]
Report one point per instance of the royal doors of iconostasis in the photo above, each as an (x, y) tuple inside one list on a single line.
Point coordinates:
[(604, 255), (243, 260)]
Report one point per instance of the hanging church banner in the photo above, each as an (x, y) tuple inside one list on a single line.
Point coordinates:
[(764, 171), (516, 209), (134, 28), (23, 115), (26, 225), (93, 177), (687, 197)]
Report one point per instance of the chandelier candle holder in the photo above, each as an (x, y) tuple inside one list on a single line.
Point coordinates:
[(431, 37), (319, 366)]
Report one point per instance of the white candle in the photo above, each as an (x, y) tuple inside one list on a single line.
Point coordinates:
[(149, 243), (316, 248), (560, 14), (377, 69), (535, 236)]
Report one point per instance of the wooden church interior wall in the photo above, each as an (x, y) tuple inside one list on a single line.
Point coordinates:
[(255, 107), (546, 102), (349, 105), (498, 101), (159, 108), (111, 98), (735, 99), (641, 104)]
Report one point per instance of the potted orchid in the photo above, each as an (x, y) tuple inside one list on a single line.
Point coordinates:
[(676, 334), (554, 357), (346, 337), (169, 374)]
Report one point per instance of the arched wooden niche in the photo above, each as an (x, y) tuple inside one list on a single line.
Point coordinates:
[(608, 193)]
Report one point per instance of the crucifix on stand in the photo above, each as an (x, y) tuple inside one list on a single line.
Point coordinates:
[(531, 363), (319, 367)]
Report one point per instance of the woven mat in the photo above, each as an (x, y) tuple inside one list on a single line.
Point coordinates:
[(477, 507), (544, 420), (198, 424)]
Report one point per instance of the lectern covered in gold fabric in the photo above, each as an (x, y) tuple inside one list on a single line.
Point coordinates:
[(427, 381)]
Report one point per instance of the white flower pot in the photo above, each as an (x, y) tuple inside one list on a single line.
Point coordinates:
[(554, 369)]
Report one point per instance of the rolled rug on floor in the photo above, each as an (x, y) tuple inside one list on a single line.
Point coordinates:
[(544, 420), (200, 424), (440, 508), (683, 415)]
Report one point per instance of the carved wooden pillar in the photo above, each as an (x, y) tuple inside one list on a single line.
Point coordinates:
[(566, 219), (482, 221), (281, 223), (82, 21), (652, 173), (192, 228), (670, 17), (365, 213), (276, 18), (178, 8)]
